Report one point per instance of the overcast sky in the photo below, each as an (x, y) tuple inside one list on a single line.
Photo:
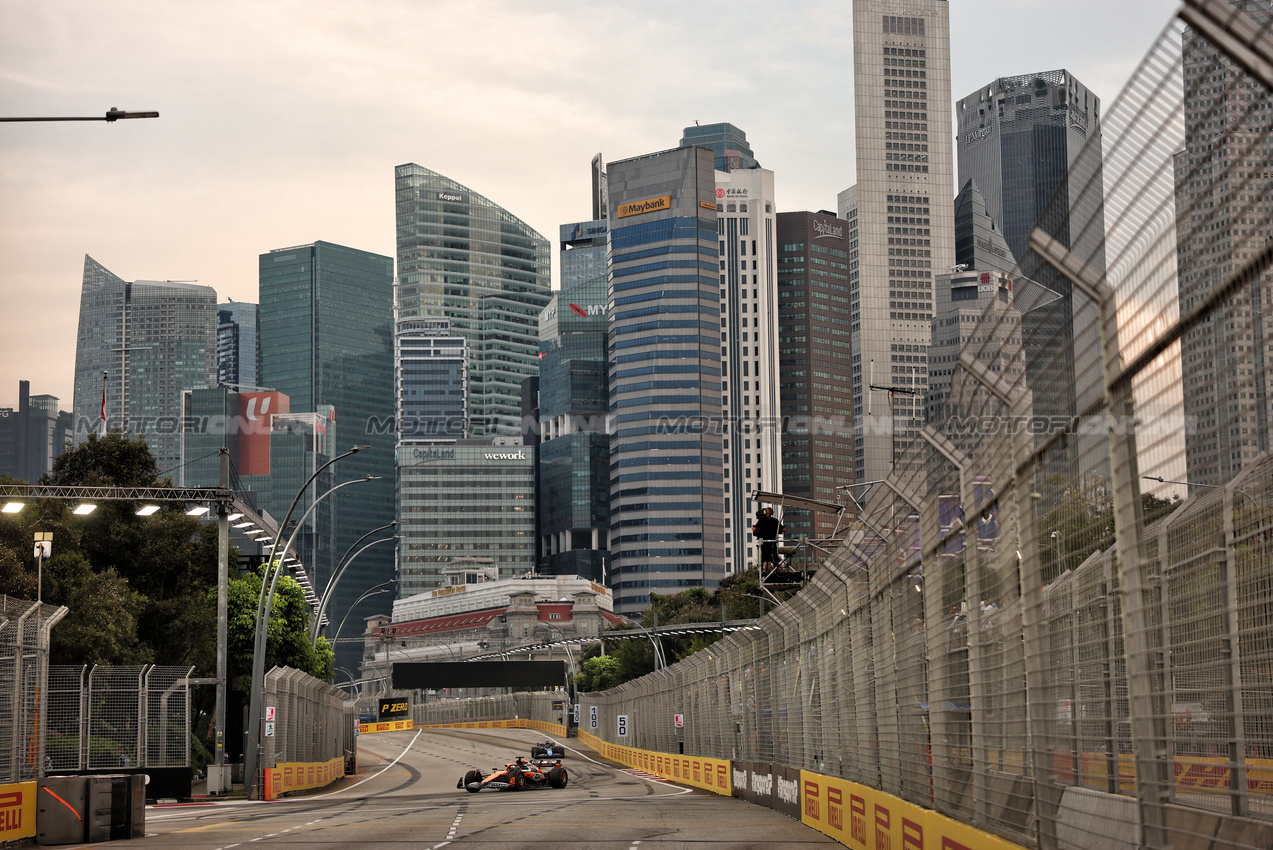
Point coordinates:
[(281, 122)]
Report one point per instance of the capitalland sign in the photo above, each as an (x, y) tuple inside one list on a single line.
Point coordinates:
[(649, 205)]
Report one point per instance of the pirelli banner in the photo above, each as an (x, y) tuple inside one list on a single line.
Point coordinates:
[(649, 205), (301, 776), (385, 726), (17, 811), (865, 819), (701, 772)]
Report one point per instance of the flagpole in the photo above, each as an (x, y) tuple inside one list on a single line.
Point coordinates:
[(101, 426)]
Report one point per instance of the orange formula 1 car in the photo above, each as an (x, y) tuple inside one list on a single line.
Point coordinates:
[(517, 775)]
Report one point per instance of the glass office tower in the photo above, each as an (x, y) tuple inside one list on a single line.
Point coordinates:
[(574, 447), (465, 499), (666, 480), (1019, 141), (327, 340), (464, 258), (238, 345), (728, 144), (155, 340)]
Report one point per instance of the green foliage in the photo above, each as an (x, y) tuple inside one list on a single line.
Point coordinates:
[(287, 638), (136, 587), (633, 657), (1080, 521), (598, 674), (116, 460), (102, 626)]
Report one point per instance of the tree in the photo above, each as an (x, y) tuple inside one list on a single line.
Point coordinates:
[(287, 637), (116, 571), (598, 673), (116, 460), (1080, 522)]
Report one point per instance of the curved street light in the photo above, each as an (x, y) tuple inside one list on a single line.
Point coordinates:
[(275, 564), (372, 591), (340, 570), (659, 660)]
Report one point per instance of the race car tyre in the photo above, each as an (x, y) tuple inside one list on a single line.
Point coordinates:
[(536, 752), (472, 776), (557, 777), (519, 781)]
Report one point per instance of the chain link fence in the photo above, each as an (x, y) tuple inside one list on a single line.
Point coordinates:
[(313, 721), (104, 718), (544, 706), (24, 660), (1014, 634)]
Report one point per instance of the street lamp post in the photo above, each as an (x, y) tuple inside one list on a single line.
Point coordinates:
[(570, 679), (113, 114), (372, 591), (275, 564), (340, 570), (659, 660)]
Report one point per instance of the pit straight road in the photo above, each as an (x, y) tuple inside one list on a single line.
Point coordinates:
[(405, 795)]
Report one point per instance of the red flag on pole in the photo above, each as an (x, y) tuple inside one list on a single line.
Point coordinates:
[(101, 425)]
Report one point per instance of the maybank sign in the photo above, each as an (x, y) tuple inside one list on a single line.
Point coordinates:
[(663, 202)]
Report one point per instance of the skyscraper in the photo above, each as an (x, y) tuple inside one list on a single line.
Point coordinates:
[(32, 435), (901, 68), (464, 258), (433, 368), (815, 354), (666, 482), (728, 144), (752, 444), (238, 344), (574, 445), (1020, 140), (1228, 385), (327, 341), (979, 243), (153, 340)]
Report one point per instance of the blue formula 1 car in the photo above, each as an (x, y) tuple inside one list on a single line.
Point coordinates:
[(547, 750)]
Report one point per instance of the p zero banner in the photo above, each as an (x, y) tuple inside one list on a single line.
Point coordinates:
[(394, 709), (663, 202)]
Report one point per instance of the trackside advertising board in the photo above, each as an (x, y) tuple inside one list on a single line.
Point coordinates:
[(865, 819), (699, 771), (769, 785), (387, 726), (300, 776), (17, 811)]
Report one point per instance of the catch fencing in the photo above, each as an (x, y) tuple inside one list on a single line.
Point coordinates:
[(24, 660), (313, 722), (547, 707), (1014, 634), (105, 717)]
